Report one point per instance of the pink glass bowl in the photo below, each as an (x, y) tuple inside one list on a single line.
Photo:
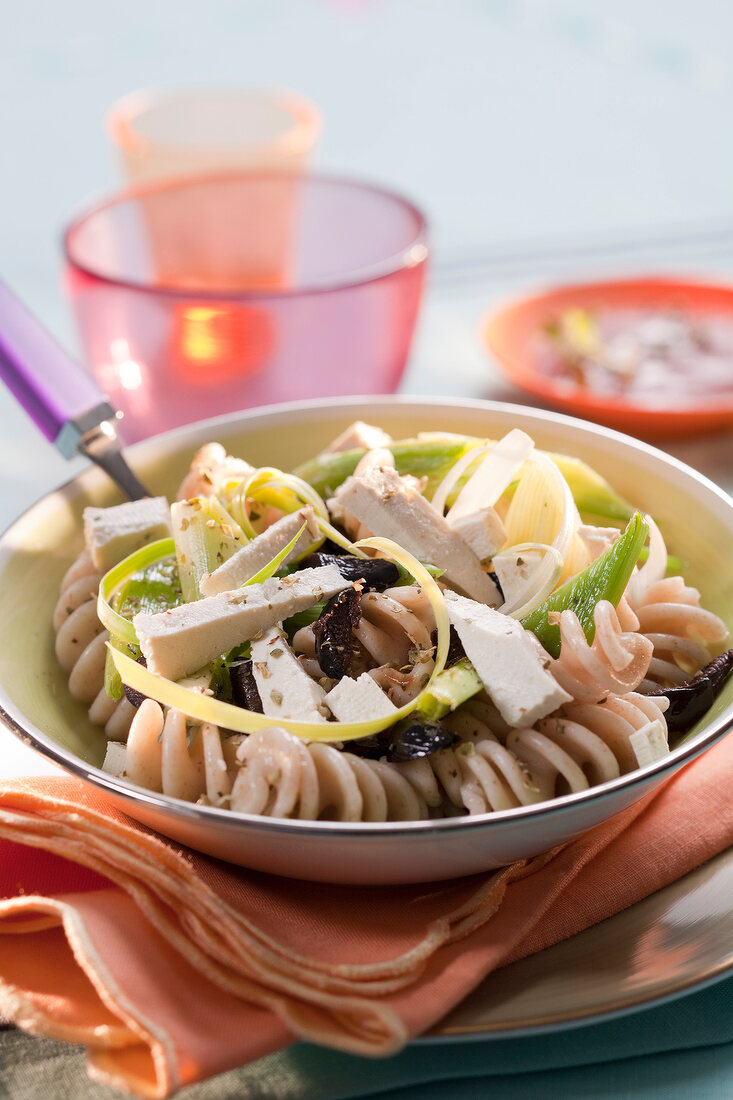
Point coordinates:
[(201, 296)]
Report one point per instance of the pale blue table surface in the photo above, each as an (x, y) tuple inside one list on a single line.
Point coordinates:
[(546, 139)]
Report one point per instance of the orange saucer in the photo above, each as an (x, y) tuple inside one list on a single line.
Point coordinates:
[(510, 334)]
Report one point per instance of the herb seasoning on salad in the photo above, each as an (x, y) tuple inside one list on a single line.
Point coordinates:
[(399, 629)]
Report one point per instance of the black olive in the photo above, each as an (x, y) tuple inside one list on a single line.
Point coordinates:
[(408, 740), (133, 696), (244, 686), (333, 633), (456, 652), (376, 573), (415, 737), (690, 701)]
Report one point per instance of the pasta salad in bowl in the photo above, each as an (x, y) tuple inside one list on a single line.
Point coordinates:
[(376, 642)]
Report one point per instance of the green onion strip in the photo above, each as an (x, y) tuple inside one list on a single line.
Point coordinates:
[(116, 624), (206, 709)]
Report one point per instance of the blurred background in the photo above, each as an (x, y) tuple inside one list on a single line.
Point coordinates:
[(544, 139)]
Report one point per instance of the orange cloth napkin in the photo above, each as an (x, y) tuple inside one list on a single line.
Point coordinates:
[(172, 967)]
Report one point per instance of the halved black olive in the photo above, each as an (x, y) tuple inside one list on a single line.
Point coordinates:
[(133, 696), (335, 641), (414, 738), (245, 692), (408, 740), (456, 652), (690, 701), (376, 573)]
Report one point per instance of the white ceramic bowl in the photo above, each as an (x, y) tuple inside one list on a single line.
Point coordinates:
[(697, 519)]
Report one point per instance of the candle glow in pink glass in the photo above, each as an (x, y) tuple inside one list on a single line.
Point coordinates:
[(200, 296), (225, 277)]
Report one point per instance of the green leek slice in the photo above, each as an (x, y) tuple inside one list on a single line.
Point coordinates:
[(450, 688), (604, 579), (433, 457), (116, 624), (206, 536)]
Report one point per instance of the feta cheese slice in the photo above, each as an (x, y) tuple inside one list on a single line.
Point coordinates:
[(359, 700), (285, 688), (254, 555), (510, 668), (483, 531), (115, 758), (358, 436), (650, 742), (111, 534), (178, 642), (388, 505)]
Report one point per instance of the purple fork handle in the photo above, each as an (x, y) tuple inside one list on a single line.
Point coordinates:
[(50, 385)]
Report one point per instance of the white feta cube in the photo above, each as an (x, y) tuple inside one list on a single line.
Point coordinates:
[(178, 642), (391, 506), (483, 531), (111, 534), (359, 700), (514, 674), (115, 758), (285, 688), (650, 742)]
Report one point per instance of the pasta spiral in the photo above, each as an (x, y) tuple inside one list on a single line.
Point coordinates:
[(616, 660), (395, 630), (680, 630), (81, 649), (211, 468), (271, 773), (282, 776), (475, 777), (586, 744), (278, 775), (158, 755)]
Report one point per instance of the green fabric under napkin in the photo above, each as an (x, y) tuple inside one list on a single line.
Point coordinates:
[(681, 1049)]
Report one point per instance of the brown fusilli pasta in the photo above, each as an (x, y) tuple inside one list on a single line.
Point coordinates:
[(162, 754), (81, 648), (680, 630), (616, 660), (272, 773)]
